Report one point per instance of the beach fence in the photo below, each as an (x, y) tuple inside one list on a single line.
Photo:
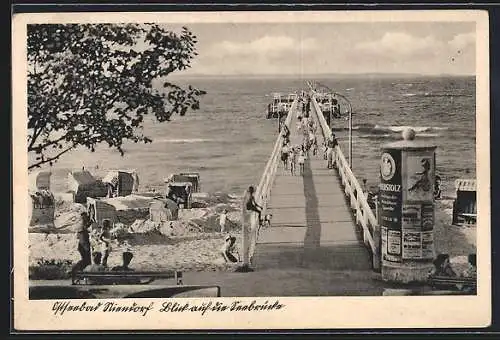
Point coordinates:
[(365, 218), (249, 222)]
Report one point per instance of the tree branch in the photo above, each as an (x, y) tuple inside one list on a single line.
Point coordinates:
[(48, 160), (43, 146)]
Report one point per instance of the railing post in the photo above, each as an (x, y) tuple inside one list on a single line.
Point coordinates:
[(376, 256), (245, 230)]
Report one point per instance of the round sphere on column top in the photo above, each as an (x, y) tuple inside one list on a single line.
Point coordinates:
[(408, 134)]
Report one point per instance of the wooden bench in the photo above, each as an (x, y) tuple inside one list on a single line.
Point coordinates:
[(127, 277), (44, 291), (465, 282)]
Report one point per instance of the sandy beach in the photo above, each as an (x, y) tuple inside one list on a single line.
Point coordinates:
[(193, 242), (190, 244)]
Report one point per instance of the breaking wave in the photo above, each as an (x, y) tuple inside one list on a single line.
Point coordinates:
[(382, 129)]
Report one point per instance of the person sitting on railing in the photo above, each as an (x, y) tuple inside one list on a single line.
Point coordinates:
[(251, 204)]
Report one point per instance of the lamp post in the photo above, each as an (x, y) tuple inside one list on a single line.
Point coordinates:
[(350, 119)]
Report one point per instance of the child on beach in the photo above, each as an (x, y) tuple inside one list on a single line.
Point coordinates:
[(228, 248), (126, 258), (96, 266), (222, 220)]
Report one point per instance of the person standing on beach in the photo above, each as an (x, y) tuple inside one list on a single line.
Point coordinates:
[(105, 240), (222, 221), (83, 246)]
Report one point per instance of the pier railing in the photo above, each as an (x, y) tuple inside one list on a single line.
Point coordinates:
[(263, 190), (365, 218)]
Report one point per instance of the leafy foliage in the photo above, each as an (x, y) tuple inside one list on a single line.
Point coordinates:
[(92, 83)]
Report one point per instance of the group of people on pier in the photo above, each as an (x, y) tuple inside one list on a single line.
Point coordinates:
[(293, 155)]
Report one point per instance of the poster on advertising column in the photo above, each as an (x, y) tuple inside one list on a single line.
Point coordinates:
[(411, 226), (390, 196), (419, 177)]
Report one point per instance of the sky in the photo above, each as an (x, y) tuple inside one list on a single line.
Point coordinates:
[(426, 48)]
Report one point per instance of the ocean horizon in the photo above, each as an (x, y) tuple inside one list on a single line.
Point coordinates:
[(228, 141)]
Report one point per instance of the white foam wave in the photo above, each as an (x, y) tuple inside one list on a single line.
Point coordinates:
[(396, 128), (428, 134), (400, 128), (409, 94)]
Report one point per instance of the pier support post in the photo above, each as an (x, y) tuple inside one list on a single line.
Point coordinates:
[(406, 215), (246, 221)]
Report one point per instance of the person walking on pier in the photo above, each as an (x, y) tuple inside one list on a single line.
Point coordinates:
[(285, 133), (313, 143), (301, 160), (292, 158), (285, 149), (331, 144)]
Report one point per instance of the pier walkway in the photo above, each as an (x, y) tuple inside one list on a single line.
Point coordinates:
[(312, 225), (322, 238)]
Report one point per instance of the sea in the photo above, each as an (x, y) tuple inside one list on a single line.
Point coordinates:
[(228, 140)]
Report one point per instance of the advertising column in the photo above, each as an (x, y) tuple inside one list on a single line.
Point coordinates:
[(390, 198), (406, 213)]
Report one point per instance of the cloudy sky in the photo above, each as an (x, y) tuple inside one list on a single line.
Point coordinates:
[(321, 48)]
